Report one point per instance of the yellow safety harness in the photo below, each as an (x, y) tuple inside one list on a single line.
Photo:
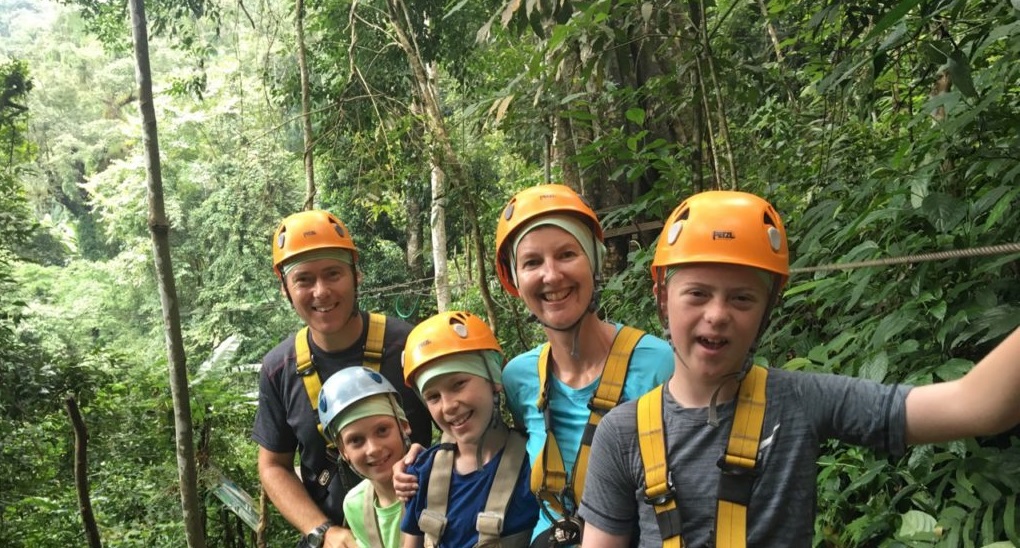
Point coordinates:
[(489, 522), (549, 479), (371, 358), (306, 370), (737, 465)]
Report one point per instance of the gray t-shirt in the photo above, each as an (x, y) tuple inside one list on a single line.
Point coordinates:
[(802, 411)]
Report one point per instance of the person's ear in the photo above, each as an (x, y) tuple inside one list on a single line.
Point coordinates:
[(661, 297), (497, 388)]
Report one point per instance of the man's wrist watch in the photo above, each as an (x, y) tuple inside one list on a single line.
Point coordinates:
[(317, 537)]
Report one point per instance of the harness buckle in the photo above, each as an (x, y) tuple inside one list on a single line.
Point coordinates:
[(669, 495), (595, 408), (735, 482), (566, 531)]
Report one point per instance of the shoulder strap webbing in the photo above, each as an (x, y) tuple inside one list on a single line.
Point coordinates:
[(372, 357), (658, 481), (370, 519), (432, 520), (549, 479), (737, 467), (490, 521), (305, 370)]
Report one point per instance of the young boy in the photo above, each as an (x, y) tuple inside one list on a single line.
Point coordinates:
[(360, 413), (473, 489), (725, 453)]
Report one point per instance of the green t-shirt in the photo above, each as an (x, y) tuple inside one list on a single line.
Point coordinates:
[(388, 518)]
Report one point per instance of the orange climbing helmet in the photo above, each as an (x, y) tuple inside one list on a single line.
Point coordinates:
[(722, 226), (446, 334), (525, 206), (308, 231)]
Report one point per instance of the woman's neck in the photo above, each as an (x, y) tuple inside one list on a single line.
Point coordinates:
[(594, 340)]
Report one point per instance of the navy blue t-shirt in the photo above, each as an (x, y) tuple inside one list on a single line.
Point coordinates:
[(468, 494)]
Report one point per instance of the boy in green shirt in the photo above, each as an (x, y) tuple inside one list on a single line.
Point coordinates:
[(360, 413)]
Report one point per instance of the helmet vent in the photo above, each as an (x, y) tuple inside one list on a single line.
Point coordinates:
[(509, 211), (282, 238), (339, 229), (460, 329), (674, 232), (775, 238)]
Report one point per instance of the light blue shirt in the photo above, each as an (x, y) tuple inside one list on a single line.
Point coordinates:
[(651, 364)]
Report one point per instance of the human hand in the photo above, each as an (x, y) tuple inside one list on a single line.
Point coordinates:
[(404, 484), (339, 537)]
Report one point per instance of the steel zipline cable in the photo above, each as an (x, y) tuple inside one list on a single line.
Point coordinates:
[(423, 287), (1000, 249)]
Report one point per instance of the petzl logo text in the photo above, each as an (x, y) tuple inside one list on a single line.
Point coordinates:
[(722, 235)]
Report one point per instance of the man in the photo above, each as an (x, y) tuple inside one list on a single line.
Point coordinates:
[(316, 261)]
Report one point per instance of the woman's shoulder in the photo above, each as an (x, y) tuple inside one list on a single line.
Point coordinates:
[(524, 362)]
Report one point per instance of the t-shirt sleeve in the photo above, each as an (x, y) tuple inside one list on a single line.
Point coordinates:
[(271, 429), (608, 501), (857, 411)]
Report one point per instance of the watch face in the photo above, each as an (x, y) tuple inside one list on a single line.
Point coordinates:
[(315, 539)]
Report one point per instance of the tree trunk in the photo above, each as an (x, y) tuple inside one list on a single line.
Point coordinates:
[(438, 221), (306, 108), (413, 256), (81, 473), (443, 159), (159, 227)]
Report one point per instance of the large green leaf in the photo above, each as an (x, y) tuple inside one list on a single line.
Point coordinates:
[(943, 211)]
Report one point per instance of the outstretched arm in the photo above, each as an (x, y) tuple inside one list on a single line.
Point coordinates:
[(984, 401)]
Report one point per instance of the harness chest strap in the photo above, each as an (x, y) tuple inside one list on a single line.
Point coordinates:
[(737, 465), (489, 522), (549, 478)]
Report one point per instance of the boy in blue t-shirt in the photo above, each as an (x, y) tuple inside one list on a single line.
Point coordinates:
[(474, 487)]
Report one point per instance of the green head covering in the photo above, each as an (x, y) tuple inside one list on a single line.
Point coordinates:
[(480, 364), (342, 255), (593, 249), (379, 404)]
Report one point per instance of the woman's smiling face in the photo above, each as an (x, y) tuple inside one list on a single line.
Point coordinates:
[(554, 276)]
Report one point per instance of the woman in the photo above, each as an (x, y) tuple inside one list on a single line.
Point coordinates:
[(549, 253)]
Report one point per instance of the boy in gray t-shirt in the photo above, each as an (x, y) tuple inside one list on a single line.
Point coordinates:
[(719, 268)]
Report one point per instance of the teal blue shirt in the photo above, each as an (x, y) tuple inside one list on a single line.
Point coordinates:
[(651, 365)]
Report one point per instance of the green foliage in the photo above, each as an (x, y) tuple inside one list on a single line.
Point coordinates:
[(884, 129)]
